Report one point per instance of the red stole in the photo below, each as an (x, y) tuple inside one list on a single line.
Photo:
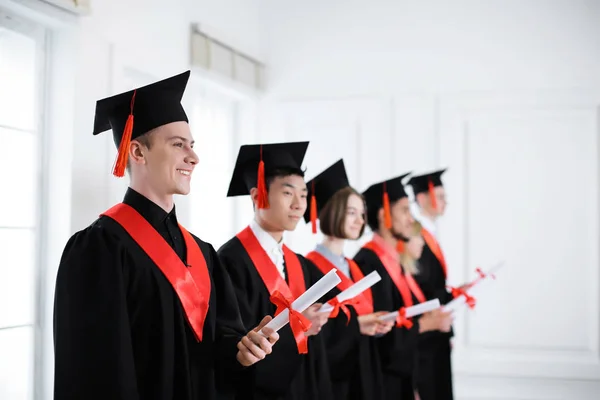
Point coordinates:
[(435, 248), (405, 283), (282, 295), (191, 283), (363, 303), (357, 275)]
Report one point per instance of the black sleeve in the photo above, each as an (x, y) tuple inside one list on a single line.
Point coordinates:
[(342, 337), (274, 373), (92, 340), (430, 277), (400, 341), (229, 327)]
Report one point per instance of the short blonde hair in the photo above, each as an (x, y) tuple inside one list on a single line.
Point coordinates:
[(408, 262)]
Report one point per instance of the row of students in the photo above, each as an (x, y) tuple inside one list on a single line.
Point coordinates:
[(146, 310)]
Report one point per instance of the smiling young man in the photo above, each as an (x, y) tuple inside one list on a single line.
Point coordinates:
[(265, 272), (142, 307)]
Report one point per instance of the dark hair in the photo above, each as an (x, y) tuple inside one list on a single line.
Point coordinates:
[(145, 140), (333, 215), (270, 175), (372, 219)]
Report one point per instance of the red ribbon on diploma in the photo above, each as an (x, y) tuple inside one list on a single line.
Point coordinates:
[(337, 306), (470, 300), (298, 322), (402, 321)]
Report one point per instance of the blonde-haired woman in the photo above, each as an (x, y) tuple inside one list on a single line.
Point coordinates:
[(411, 251)]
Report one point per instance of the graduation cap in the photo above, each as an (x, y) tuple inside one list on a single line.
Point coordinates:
[(151, 106), (322, 188), (427, 183), (383, 193), (255, 161)]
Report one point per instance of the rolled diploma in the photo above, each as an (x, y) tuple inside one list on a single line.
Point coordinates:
[(306, 299), (456, 303), (412, 311), (354, 290)]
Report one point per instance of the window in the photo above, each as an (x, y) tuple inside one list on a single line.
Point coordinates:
[(212, 120), (21, 83)]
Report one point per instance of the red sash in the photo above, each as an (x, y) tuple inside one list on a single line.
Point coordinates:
[(191, 283), (282, 295), (363, 303), (357, 275), (393, 269), (435, 248), (401, 279), (415, 288)]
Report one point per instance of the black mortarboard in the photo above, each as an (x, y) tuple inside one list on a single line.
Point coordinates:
[(322, 187), (422, 183), (426, 183), (255, 161), (384, 193), (133, 113)]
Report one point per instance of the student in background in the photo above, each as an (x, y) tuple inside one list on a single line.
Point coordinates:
[(435, 367), (262, 267), (354, 363), (390, 220)]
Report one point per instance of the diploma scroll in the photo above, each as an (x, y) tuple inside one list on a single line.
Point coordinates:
[(354, 290), (413, 311), (306, 299), (472, 288)]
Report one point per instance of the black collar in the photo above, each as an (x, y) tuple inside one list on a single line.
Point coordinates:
[(151, 211)]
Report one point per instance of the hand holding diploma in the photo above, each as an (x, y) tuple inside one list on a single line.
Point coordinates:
[(465, 296), (292, 312), (413, 311), (348, 296), (255, 347)]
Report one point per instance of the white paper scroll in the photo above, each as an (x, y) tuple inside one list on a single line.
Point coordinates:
[(306, 299), (476, 285), (413, 311), (354, 290)]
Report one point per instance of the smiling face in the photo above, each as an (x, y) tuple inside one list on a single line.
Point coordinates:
[(287, 202), (166, 159), (354, 220)]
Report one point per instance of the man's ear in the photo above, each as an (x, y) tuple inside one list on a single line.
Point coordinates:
[(254, 197), (136, 152)]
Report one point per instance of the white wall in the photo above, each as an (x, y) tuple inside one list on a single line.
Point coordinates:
[(150, 40), (504, 93)]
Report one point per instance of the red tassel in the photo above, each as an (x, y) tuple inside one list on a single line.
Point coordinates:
[(432, 195), (400, 246), (123, 153), (313, 213), (387, 214), (263, 197)]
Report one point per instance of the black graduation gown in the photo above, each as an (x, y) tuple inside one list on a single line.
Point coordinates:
[(120, 331), (353, 359), (398, 348), (284, 374), (434, 379)]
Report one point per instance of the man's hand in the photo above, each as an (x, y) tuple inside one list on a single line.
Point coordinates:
[(255, 347), (318, 319), (436, 320), (370, 325), (445, 320)]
